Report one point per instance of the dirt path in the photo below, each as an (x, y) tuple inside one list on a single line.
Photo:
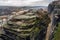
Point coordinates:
[(50, 28)]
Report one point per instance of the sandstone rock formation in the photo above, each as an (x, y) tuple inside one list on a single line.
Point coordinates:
[(54, 11), (26, 25)]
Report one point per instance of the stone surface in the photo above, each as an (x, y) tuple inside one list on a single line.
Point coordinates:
[(23, 25), (55, 5)]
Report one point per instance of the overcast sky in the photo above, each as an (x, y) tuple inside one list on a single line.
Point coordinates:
[(24, 2)]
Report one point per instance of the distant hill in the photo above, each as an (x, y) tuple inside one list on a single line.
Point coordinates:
[(6, 7), (5, 10)]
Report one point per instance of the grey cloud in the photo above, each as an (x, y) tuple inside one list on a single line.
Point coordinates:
[(42, 3), (24, 2)]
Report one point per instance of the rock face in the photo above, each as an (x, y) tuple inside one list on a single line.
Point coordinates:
[(29, 25), (23, 27), (54, 10), (55, 5)]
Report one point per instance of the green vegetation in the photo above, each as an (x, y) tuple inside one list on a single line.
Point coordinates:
[(57, 34)]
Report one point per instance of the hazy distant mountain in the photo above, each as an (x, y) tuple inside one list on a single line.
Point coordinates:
[(5, 10), (4, 7)]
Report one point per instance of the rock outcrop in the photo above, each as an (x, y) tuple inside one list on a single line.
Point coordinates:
[(26, 25), (23, 27), (54, 11)]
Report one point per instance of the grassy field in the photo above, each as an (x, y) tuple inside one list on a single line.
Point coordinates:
[(57, 33)]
